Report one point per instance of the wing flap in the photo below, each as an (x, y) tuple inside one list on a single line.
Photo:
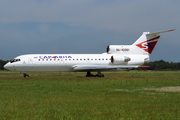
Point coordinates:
[(100, 67)]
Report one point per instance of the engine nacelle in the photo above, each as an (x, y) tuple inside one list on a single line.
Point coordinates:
[(117, 49), (117, 59)]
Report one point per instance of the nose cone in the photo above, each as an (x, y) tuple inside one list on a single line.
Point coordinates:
[(8, 66)]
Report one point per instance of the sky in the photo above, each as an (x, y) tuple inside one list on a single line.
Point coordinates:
[(86, 26)]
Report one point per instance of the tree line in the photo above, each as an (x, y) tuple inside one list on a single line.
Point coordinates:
[(2, 63), (161, 65), (156, 65)]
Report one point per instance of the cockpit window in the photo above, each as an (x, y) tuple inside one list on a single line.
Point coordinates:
[(15, 60)]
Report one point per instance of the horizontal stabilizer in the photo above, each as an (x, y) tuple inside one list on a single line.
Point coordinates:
[(160, 32)]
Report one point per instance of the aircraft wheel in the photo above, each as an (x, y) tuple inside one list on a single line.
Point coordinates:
[(25, 75), (89, 74)]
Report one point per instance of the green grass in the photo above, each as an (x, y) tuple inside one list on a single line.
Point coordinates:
[(72, 96)]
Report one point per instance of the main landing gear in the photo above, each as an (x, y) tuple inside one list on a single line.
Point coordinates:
[(24, 74), (97, 75)]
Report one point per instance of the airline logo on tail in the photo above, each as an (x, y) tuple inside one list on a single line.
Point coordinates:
[(148, 45)]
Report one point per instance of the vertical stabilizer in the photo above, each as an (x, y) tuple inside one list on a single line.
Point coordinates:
[(148, 41)]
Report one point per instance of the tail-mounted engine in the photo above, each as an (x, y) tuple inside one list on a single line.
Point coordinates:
[(111, 49), (116, 59), (117, 49)]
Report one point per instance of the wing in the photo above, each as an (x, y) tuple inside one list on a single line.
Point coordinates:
[(99, 67)]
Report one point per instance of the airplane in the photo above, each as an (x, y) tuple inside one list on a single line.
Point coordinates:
[(116, 57)]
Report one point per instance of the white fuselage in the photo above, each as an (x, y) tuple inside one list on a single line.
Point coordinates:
[(67, 62)]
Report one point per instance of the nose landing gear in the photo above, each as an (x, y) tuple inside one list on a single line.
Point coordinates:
[(24, 74)]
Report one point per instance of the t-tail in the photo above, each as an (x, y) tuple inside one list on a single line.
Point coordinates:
[(143, 46), (148, 41)]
